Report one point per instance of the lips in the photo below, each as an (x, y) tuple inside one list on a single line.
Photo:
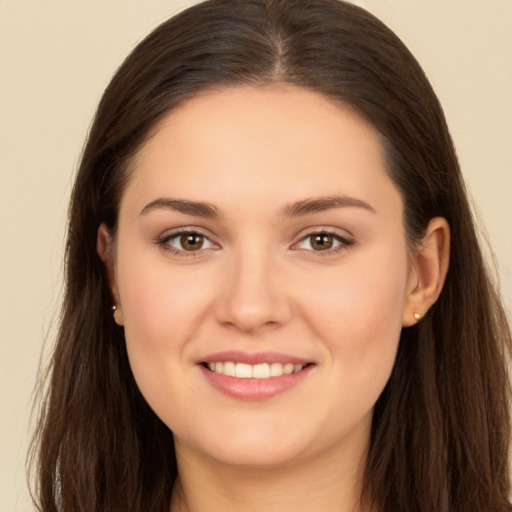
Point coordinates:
[(256, 376)]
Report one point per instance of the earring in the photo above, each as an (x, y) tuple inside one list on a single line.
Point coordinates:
[(118, 315), (416, 316)]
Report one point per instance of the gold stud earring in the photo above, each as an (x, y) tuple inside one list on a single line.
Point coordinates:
[(416, 316), (118, 315)]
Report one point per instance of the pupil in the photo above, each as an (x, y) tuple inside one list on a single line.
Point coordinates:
[(191, 242), (322, 242)]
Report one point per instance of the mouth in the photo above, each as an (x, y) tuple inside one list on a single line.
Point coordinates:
[(256, 376), (253, 371)]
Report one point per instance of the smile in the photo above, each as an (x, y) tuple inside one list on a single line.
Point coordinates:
[(253, 371), (254, 377)]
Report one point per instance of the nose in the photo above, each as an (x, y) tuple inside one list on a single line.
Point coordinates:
[(253, 296)]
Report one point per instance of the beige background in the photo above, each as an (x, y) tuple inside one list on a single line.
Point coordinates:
[(56, 56)]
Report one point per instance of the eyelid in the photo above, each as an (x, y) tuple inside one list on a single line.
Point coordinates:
[(163, 241), (344, 241)]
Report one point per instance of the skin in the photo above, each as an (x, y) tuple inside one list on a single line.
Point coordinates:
[(258, 284)]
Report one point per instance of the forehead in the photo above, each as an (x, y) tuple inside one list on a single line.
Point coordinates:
[(277, 143)]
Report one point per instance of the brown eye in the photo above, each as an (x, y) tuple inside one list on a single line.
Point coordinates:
[(191, 241), (186, 243), (324, 242), (321, 242)]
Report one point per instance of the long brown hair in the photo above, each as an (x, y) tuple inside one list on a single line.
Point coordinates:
[(441, 429)]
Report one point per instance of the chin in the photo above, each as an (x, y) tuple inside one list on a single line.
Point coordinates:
[(257, 456), (258, 447)]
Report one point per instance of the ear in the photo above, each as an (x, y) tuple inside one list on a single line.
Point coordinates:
[(105, 250), (429, 266)]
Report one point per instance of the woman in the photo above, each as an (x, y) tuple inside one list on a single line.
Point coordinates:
[(275, 297)]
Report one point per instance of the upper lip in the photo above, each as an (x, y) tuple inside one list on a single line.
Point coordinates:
[(252, 358)]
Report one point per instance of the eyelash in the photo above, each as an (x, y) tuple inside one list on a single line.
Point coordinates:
[(344, 243), (163, 242)]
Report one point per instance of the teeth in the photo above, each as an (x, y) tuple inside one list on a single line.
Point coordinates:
[(276, 370), (288, 368), (229, 369), (242, 371), (261, 371), (256, 371)]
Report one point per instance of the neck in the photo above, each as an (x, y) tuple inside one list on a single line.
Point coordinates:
[(327, 483)]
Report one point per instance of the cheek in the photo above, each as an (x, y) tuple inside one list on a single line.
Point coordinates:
[(160, 302), (366, 294), (360, 319), (162, 308)]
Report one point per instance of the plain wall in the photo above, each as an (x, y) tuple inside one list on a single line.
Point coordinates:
[(56, 57)]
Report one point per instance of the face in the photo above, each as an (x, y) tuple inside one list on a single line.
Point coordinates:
[(261, 268)]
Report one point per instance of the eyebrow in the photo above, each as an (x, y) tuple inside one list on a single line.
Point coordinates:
[(298, 209), (320, 204), (199, 209)]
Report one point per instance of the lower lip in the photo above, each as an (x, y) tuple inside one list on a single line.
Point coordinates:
[(254, 389)]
